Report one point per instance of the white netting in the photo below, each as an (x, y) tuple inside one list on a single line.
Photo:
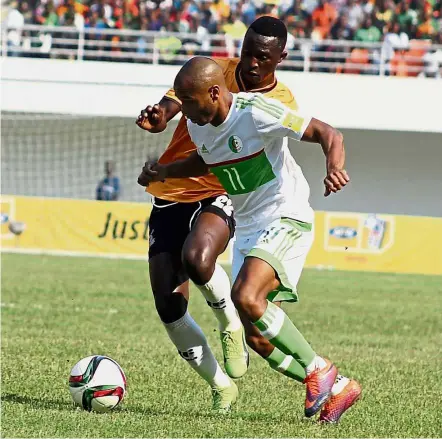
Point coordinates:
[(63, 155)]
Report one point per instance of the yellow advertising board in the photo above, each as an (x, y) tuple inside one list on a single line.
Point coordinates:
[(375, 242), (77, 227), (343, 240)]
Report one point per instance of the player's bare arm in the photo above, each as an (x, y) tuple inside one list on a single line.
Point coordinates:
[(332, 142), (192, 166), (155, 118)]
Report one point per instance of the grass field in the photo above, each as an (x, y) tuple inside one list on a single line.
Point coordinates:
[(386, 330)]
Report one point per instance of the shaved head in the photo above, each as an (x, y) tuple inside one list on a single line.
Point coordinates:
[(201, 87), (199, 73)]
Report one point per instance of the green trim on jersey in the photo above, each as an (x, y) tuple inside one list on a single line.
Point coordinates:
[(300, 225), (244, 176), (261, 103)]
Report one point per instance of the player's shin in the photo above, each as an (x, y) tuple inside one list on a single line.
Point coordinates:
[(276, 327), (321, 374), (217, 294), (286, 365), (192, 345)]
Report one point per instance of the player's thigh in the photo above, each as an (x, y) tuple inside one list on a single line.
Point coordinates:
[(208, 238), (284, 246), (168, 229)]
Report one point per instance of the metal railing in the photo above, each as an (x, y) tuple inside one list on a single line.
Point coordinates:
[(334, 56)]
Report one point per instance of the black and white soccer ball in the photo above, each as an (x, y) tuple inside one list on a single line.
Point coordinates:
[(97, 383)]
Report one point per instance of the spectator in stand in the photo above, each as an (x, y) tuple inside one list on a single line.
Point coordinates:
[(108, 188), (313, 19), (383, 13), (248, 11), (355, 13), (15, 22), (323, 18), (27, 13), (48, 15), (342, 29), (394, 41), (437, 15), (367, 6), (406, 17), (294, 14), (432, 64), (368, 33), (428, 27), (220, 9)]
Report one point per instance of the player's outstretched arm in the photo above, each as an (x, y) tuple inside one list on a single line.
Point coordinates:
[(155, 118), (332, 142), (192, 166)]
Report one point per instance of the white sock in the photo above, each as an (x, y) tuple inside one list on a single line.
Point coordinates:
[(192, 345), (217, 294), (317, 363), (340, 383)]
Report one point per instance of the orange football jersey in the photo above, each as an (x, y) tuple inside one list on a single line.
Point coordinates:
[(189, 190)]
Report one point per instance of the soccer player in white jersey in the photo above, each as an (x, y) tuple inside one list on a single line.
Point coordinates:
[(241, 138)]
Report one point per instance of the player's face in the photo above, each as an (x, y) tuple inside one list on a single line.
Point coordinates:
[(259, 58), (198, 106)]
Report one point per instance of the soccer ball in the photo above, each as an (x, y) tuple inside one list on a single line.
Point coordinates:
[(97, 383)]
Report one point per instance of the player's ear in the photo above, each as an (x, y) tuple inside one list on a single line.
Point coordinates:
[(283, 56), (214, 92)]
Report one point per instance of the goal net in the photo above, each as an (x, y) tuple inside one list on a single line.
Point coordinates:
[(54, 155)]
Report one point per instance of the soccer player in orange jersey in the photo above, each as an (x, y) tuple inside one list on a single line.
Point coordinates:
[(191, 224)]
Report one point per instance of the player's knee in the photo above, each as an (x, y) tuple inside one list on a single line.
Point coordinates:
[(198, 264), (245, 300), (170, 307)]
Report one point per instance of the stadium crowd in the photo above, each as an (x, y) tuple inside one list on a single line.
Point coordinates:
[(393, 22)]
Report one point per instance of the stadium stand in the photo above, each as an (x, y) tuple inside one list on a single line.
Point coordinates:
[(351, 36)]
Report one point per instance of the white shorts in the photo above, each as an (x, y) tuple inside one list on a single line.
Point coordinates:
[(284, 245)]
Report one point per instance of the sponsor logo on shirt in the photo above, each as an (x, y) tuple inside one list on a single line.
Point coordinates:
[(293, 122)]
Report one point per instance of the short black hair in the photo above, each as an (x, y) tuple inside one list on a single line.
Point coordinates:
[(269, 26)]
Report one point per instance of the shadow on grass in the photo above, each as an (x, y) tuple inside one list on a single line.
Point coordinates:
[(36, 403), (252, 417)]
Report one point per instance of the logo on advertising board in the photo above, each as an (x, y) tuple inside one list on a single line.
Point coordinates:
[(358, 233), (7, 214)]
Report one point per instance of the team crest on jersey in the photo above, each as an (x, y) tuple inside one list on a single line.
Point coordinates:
[(235, 144)]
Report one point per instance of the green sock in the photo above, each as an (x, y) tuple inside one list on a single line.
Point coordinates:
[(276, 327), (286, 365)]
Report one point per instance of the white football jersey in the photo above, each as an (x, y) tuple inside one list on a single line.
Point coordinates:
[(249, 154)]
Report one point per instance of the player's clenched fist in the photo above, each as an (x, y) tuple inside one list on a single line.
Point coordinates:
[(152, 171), (335, 181), (152, 119)]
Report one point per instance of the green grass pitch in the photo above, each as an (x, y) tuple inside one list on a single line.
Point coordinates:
[(385, 330)]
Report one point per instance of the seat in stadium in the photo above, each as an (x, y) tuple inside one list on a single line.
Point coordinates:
[(355, 62)]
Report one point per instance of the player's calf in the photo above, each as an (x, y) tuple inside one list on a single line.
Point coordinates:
[(170, 306)]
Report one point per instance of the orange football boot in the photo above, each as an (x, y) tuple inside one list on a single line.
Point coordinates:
[(319, 384), (338, 404)]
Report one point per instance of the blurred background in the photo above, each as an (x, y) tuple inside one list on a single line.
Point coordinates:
[(377, 37)]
